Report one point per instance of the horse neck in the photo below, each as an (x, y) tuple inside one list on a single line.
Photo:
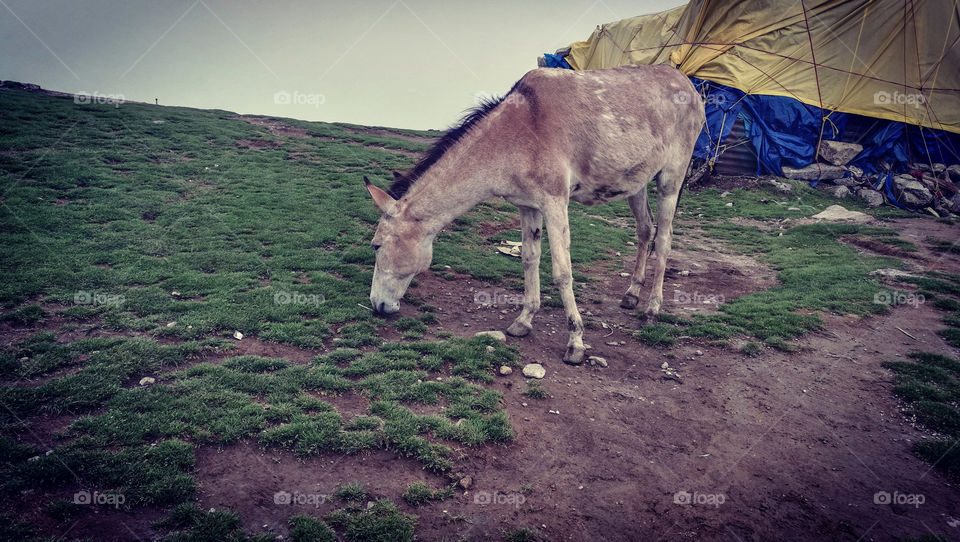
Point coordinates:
[(460, 180)]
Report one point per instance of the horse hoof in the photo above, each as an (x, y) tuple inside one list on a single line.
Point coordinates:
[(574, 355), (629, 301), (517, 329), (651, 317)]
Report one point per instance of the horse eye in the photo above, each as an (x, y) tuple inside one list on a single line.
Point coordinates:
[(375, 247)]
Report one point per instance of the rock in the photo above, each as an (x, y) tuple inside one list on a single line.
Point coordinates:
[(911, 192), (147, 380), (237, 335), (855, 172), (728, 204), (891, 273), (814, 172), (847, 181), (490, 349), (953, 173), (664, 365), (504, 370), (872, 197), (839, 213), (597, 360), (534, 370), (840, 192), (465, 482), (780, 185), (613, 343), (954, 205), (918, 167), (941, 205), (498, 335), (939, 168), (838, 153)]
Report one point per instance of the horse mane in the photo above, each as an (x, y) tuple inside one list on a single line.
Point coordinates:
[(402, 183)]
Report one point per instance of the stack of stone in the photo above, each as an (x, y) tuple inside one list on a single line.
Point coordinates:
[(935, 189)]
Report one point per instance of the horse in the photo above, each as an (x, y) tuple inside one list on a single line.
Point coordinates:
[(557, 135)]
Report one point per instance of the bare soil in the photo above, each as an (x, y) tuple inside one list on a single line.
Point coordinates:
[(781, 446)]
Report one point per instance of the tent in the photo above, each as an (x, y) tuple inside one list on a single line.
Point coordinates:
[(789, 74)]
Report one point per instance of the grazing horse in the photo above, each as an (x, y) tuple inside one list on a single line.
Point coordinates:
[(558, 135)]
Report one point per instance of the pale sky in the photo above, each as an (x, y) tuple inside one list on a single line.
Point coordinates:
[(402, 63)]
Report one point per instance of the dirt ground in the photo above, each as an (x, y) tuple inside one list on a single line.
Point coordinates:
[(782, 446)]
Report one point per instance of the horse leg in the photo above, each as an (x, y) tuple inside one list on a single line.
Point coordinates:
[(668, 193), (531, 223), (558, 229), (641, 213)]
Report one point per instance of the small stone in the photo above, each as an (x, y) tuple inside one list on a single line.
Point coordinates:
[(613, 343), (465, 482), (813, 172), (498, 335), (780, 186), (724, 194), (490, 349), (597, 360), (504, 370), (840, 213), (872, 197), (699, 352), (684, 273), (237, 335), (728, 204), (534, 370), (147, 380), (171, 324), (664, 365), (175, 293), (839, 153), (624, 274), (840, 192)]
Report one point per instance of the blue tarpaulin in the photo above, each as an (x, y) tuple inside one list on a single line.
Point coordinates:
[(785, 131)]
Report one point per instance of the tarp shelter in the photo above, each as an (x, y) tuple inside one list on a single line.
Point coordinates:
[(884, 73)]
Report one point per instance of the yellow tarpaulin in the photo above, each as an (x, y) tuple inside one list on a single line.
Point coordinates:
[(895, 59)]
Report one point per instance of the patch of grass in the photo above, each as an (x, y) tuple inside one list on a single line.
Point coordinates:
[(307, 529), (751, 349), (524, 535), (939, 245), (946, 304), (535, 390), (658, 334), (26, 316), (930, 384), (351, 492), (383, 522), (418, 494)]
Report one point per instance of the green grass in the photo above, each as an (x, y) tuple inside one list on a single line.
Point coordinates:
[(930, 384), (419, 494), (152, 232)]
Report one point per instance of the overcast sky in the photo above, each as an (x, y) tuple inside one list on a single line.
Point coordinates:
[(404, 63)]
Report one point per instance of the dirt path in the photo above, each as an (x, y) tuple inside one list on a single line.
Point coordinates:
[(783, 446)]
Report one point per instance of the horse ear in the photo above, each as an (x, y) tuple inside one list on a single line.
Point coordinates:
[(381, 199)]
